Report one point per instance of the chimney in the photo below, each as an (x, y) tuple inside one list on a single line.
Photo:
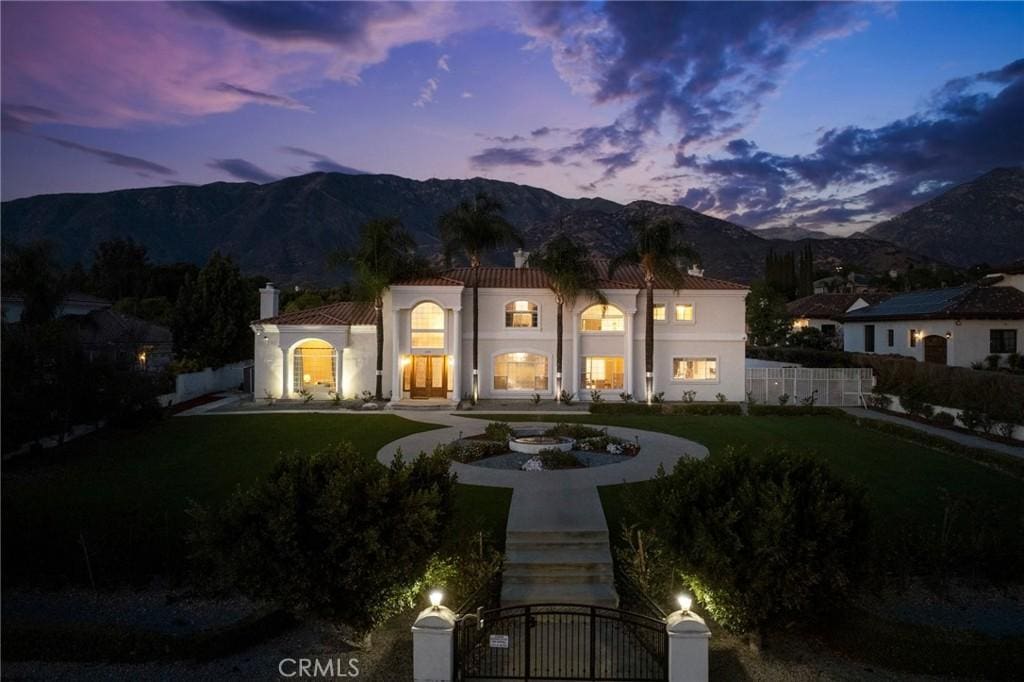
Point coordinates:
[(270, 299), (695, 270), (521, 258)]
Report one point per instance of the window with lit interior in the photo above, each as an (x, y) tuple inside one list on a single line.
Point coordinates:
[(659, 312), (603, 373), (314, 368), (427, 322), (521, 315), (684, 312), (695, 369), (520, 372), (602, 318)]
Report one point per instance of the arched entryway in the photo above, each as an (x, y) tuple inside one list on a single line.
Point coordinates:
[(935, 349), (315, 368)]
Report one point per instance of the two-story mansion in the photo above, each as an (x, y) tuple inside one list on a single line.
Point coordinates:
[(699, 338)]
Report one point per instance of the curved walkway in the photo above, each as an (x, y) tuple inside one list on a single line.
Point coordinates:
[(955, 436), (564, 500)]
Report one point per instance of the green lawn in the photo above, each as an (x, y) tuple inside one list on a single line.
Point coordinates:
[(908, 485), (126, 493)]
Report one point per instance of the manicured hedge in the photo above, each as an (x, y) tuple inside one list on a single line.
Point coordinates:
[(708, 409), (625, 408), (692, 409), (794, 411)]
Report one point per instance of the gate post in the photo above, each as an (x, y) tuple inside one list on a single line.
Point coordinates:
[(688, 637), (433, 645)]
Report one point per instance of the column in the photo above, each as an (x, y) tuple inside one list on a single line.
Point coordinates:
[(688, 639), (575, 364), (628, 358), (457, 353), (433, 645), (396, 367)]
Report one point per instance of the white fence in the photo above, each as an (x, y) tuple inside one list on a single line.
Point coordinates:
[(209, 380), (834, 386)]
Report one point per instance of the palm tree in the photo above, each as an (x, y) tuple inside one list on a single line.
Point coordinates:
[(472, 228), (570, 272), (385, 252), (657, 250)]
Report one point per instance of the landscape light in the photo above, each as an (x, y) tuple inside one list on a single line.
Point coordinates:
[(685, 601), (435, 598)]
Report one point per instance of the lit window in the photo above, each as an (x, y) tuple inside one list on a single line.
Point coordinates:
[(695, 369), (520, 372), (603, 373), (315, 366), (427, 322), (602, 318), (659, 312), (684, 312), (521, 314)]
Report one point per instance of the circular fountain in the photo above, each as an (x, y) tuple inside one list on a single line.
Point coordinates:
[(531, 445)]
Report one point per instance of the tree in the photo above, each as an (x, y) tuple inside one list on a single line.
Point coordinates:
[(120, 269), (211, 319), (474, 227), (386, 251), (567, 264), (657, 250), (32, 271), (767, 318)]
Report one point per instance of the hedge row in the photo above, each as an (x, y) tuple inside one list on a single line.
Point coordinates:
[(692, 409), (794, 411), (998, 394)]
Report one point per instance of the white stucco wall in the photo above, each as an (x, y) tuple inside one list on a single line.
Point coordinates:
[(968, 339)]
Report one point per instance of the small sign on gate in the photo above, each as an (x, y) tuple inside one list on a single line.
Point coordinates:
[(499, 641)]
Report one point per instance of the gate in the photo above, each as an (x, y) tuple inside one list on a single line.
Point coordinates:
[(560, 642)]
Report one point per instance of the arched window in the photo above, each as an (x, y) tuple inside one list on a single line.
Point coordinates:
[(520, 372), (520, 315), (602, 318), (315, 368), (427, 323)]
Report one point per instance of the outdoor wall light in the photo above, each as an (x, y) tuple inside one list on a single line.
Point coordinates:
[(949, 335), (435, 599), (685, 601)]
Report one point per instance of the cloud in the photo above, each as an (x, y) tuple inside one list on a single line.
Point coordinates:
[(21, 117), (442, 63), (141, 166), (856, 174), (466, 94), (427, 93), (507, 156), (260, 97), (242, 169), (321, 162)]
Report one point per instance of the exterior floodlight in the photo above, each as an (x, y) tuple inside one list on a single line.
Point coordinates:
[(685, 602), (435, 598)]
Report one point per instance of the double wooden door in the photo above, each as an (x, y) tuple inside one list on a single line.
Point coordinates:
[(428, 377)]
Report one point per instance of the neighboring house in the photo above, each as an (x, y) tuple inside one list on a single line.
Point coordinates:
[(75, 303), (125, 340), (853, 283), (699, 340), (825, 311), (954, 326)]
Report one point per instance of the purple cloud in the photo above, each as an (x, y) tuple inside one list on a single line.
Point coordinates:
[(243, 170), (321, 162), (507, 156), (140, 166), (260, 97)]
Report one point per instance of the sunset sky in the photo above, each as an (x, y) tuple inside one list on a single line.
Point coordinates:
[(823, 116)]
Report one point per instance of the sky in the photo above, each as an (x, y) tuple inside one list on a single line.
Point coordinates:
[(825, 116)]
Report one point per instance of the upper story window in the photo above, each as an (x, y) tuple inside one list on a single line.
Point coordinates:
[(684, 312), (521, 315), (659, 312), (427, 323), (1002, 341), (602, 318)]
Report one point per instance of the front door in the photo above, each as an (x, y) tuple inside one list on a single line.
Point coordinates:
[(935, 349), (429, 377)]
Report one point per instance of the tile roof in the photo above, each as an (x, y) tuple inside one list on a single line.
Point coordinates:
[(107, 327), (830, 306), (627, 277), (346, 313), (969, 302)]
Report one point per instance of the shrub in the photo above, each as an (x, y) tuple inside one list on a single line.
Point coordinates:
[(500, 432), (878, 401), (1005, 429), (794, 411), (783, 399), (596, 397), (269, 398), (708, 409), (625, 408), (810, 400), (306, 396), (626, 397), (574, 431), (720, 397), (466, 451), (971, 419), (751, 400), (535, 398), (557, 459), (332, 533), (760, 539), (1013, 360), (566, 397), (808, 337), (597, 443), (688, 396), (944, 419), (992, 361), (658, 397)]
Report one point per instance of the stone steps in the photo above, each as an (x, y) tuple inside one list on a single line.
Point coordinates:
[(589, 594), (557, 566)]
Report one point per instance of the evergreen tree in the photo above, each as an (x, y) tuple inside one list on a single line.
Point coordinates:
[(211, 319), (767, 319)]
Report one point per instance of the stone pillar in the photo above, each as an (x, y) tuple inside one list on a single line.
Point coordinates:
[(433, 645), (688, 638), (457, 354)]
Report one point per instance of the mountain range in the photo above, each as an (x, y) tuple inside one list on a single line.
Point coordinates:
[(284, 229)]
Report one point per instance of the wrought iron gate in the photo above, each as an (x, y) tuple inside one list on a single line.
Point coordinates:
[(560, 642)]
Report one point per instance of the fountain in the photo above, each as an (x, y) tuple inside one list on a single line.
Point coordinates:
[(531, 445)]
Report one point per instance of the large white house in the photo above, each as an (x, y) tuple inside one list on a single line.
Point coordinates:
[(699, 340), (954, 326)]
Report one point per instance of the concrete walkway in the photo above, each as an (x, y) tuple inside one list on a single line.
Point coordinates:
[(955, 436), (557, 543)]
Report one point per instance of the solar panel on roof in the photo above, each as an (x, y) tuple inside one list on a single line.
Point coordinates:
[(914, 303)]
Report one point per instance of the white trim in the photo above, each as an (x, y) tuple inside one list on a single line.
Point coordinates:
[(695, 382), (675, 317), (521, 330), (550, 390)]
